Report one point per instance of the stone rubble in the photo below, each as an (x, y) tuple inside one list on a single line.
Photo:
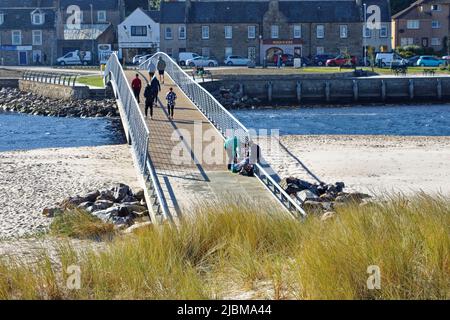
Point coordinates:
[(320, 198), (233, 98), (118, 205), (26, 102)]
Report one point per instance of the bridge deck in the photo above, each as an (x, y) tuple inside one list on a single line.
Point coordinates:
[(196, 180)]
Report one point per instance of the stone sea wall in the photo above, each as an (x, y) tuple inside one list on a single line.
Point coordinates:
[(55, 91)]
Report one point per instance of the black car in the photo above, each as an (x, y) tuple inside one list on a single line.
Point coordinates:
[(321, 59), (412, 61)]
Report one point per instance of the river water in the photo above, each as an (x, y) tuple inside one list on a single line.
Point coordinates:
[(418, 120), (25, 132)]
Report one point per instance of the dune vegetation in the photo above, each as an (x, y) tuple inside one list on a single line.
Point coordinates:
[(238, 251)]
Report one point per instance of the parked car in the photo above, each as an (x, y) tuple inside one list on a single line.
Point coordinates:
[(446, 59), (202, 62), (287, 59), (321, 59), (76, 57), (184, 56), (388, 59), (136, 58), (430, 61), (237, 61), (306, 62), (412, 61), (341, 60), (144, 58)]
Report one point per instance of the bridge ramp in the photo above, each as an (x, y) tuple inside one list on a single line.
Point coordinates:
[(195, 182)]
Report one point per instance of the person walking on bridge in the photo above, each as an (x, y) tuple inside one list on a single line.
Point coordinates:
[(151, 69), (161, 69), (171, 97), (136, 85)]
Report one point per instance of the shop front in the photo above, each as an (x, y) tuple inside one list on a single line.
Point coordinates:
[(273, 49)]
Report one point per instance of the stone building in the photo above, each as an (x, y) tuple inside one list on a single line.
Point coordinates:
[(27, 32), (88, 25), (260, 29), (425, 23)]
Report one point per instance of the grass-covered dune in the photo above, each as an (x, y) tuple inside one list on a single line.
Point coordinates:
[(244, 252)]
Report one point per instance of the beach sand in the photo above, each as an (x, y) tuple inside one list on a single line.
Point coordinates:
[(371, 164), (33, 180)]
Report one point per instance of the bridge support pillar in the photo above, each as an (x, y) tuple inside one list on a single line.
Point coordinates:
[(270, 91), (411, 89), (383, 90), (439, 89), (299, 91), (327, 91), (355, 90)]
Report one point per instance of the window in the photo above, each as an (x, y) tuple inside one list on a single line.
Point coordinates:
[(412, 24), (406, 41), (275, 32), (228, 51), (435, 7), (435, 41), (320, 31), (297, 31), (205, 32), (435, 24), (37, 37), (2, 18), (16, 38), (205, 52), (320, 50), (101, 16), (251, 32), (228, 32), (138, 31), (182, 32), (383, 32), (367, 33), (37, 18), (168, 33), (343, 31)]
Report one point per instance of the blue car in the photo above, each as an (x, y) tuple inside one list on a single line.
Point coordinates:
[(430, 61)]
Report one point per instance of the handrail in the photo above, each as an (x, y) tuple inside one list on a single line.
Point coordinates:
[(139, 134), (224, 122)]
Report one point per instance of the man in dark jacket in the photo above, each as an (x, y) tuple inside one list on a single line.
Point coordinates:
[(149, 99), (136, 85), (156, 88)]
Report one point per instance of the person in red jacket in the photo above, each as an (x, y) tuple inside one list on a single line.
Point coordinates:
[(136, 85)]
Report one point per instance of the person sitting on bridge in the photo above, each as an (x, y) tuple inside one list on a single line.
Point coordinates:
[(136, 85), (171, 97)]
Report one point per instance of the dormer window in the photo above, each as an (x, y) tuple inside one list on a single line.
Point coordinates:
[(37, 17), (2, 18)]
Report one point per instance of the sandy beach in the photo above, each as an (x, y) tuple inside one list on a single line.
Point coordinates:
[(371, 164), (33, 180)]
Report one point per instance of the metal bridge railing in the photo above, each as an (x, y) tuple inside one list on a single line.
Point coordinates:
[(225, 123), (65, 79), (138, 132)]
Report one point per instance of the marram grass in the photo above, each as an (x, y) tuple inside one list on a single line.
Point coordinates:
[(227, 251)]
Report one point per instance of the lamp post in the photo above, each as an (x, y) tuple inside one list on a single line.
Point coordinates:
[(364, 33), (92, 31)]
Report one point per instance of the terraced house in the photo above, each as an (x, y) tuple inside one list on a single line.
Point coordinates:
[(260, 29), (424, 23), (27, 32)]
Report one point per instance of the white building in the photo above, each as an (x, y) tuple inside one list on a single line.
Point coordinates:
[(139, 33)]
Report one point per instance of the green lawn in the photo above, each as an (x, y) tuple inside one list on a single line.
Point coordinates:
[(95, 81)]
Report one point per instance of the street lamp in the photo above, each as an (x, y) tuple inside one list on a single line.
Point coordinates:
[(364, 33)]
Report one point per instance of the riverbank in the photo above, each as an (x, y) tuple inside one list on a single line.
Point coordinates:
[(33, 180), (372, 164)]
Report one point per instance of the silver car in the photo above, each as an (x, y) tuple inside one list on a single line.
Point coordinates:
[(202, 62)]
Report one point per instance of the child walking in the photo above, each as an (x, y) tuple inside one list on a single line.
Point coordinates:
[(171, 97)]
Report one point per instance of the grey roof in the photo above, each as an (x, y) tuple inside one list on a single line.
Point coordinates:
[(173, 12), (321, 11), (155, 15), (21, 19), (85, 4), (86, 32), (315, 11), (26, 3)]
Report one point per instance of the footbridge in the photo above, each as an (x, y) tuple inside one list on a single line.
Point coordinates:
[(182, 161)]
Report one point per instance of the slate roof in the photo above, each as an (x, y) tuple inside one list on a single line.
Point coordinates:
[(253, 11), (85, 4), (406, 10), (20, 19), (155, 15), (26, 3), (86, 32)]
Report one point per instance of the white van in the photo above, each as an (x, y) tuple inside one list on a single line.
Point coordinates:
[(76, 57), (184, 56), (389, 59)]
